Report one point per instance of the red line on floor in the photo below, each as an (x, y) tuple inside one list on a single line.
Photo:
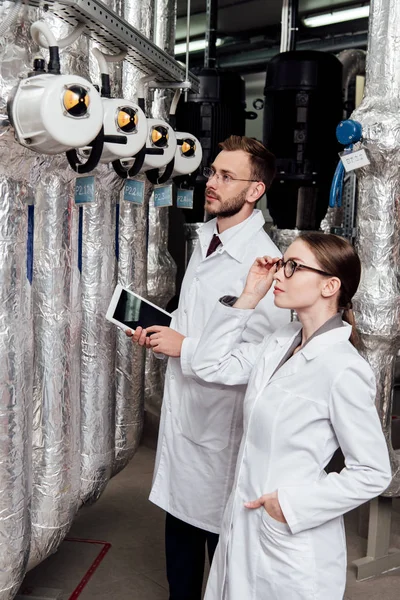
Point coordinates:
[(106, 546)]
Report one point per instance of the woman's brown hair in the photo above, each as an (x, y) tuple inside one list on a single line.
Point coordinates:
[(337, 256)]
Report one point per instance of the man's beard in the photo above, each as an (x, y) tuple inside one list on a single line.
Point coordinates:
[(230, 206)]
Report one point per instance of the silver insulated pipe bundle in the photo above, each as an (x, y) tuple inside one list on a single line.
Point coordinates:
[(57, 340), (16, 363), (98, 277), (161, 269), (378, 218), (132, 272)]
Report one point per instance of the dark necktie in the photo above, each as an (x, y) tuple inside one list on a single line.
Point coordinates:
[(215, 242)]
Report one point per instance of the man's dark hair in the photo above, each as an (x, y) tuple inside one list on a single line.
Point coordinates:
[(262, 161)]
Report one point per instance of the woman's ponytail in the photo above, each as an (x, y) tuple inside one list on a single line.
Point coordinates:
[(348, 316)]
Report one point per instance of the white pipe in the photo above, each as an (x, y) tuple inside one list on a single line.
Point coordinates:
[(175, 101), (37, 28), (115, 57), (141, 84), (101, 60), (64, 42)]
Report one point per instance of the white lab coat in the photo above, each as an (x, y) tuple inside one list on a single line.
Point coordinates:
[(320, 399), (201, 423)]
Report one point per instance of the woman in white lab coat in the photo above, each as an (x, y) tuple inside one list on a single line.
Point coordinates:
[(309, 392)]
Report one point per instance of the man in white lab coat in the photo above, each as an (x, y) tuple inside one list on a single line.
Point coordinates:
[(201, 424)]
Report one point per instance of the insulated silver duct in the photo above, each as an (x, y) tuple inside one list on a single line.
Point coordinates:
[(99, 275), (16, 363), (377, 302), (56, 306), (161, 269), (57, 343), (283, 237), (98, 335), (353, 61), (132, 272)]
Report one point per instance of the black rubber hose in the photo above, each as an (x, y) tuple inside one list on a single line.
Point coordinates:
[(93, 160), (153, 175)]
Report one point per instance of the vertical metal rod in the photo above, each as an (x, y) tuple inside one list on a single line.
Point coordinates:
[(289, 22), (210, 50), (187, 44)]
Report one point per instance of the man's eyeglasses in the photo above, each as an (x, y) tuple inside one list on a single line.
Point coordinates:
[(225, 179), (290, 266)]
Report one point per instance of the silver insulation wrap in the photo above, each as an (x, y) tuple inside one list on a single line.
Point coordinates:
[(98, 335), (161, 269), (57, 343), (16, 350), (132, 272), (283, 237), (377, 302), (98, 277)]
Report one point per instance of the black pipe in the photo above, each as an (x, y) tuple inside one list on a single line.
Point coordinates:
[(210, 51), (293, 23)]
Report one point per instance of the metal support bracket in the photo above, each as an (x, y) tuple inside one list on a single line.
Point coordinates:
[(380, 558), (115, 34)]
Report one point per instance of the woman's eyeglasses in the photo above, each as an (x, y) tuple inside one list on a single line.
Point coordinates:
[(290, 266)]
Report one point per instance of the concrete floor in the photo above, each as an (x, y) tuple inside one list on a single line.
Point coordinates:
[(133, 568)]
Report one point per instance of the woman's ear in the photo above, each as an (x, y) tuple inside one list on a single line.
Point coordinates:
[(331, 287)]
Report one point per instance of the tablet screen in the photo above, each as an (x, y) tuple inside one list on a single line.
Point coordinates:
[(134, 312)]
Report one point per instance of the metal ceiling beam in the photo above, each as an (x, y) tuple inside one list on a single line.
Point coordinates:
[(116, 34)]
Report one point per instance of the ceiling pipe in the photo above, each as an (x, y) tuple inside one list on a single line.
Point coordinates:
[(210, 51), (289, 22)]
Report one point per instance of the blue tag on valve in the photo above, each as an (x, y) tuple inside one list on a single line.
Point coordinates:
[(84, 190), (162, 196), (134, 191), (184, 199)]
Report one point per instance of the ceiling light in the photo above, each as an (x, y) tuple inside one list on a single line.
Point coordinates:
[(337, 16), (194, 46)]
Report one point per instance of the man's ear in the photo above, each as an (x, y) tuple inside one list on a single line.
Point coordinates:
[(255, 193)]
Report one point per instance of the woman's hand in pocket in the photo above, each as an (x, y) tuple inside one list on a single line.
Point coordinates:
[(270, 503)]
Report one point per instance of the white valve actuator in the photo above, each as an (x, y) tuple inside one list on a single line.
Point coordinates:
[(160, 136), (123, 118), (55, 113), (188, 155)]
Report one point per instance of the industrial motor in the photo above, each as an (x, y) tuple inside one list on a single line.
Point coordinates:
[(123, 117), (54, 113), (303, 105), (188, 154)]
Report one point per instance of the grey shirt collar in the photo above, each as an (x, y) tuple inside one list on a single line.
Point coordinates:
[(332, 323)]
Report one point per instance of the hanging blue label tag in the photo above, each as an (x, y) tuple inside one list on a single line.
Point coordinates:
[(162, 196), (134, 191), (184, 198), (84, 190)]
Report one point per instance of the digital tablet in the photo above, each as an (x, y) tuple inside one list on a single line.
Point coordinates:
[(128, 311)]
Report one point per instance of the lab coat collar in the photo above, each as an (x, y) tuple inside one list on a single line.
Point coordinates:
[(312, 348), (310, 351), (334, 336), (236, 245)]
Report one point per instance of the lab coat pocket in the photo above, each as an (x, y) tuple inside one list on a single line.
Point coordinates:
[(286, 568), (206, 414)]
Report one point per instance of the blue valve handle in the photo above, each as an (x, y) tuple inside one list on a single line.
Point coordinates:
[(347, 133)]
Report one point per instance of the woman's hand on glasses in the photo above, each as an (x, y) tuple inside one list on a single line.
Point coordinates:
[(258, 282)]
